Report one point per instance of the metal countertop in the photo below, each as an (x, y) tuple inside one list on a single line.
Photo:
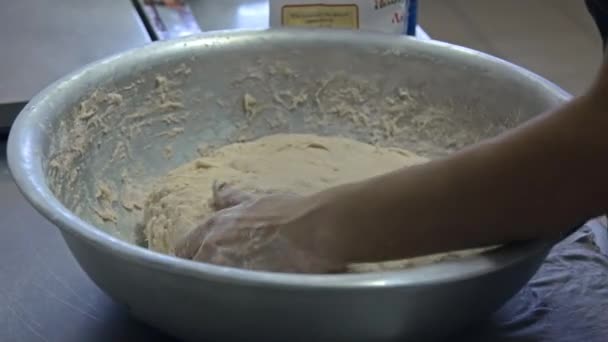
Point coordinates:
[(43, 40), (44, 295)]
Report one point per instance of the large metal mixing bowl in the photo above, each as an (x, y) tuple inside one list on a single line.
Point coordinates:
[(125, 120)]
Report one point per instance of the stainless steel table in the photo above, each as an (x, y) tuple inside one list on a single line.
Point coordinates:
[(44, 296), (42, 40)]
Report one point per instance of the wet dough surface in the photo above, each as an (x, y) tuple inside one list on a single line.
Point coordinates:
[(285, 162), (297, 163)]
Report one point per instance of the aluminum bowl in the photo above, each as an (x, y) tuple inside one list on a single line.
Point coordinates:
[(123, 114)]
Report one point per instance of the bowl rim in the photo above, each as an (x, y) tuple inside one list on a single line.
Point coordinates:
[(26, 165)]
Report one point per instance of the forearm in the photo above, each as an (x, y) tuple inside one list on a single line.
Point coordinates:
[(536, 181)]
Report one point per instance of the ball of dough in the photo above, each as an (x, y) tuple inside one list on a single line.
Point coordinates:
[(299, 163)]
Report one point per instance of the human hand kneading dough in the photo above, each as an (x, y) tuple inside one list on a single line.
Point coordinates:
[(538, 180), (258, 232), (520, 185)]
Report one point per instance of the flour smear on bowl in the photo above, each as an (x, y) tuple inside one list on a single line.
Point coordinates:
[(384, 128)]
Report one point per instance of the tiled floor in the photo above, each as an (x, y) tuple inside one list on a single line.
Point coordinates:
[(554, 38)]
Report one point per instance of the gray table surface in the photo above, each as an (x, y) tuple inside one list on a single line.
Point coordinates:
[(44, 295), (42, 40)]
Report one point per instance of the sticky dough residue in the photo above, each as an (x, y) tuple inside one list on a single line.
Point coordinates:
[(104, 125), (296, 163), (95, 157)]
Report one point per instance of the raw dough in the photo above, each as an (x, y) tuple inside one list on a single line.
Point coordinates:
[(297, 163), (285, 162)]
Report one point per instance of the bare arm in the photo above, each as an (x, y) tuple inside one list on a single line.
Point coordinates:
[(538, 180), (535, 181)]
